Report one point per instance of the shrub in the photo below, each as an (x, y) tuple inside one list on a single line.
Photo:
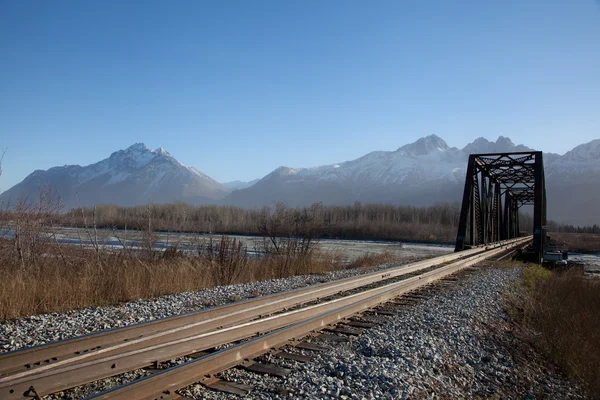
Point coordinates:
[(565, 308)]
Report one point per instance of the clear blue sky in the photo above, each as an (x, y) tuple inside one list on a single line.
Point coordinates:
[(238, 88)]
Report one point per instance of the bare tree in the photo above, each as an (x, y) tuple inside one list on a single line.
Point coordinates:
[(149, 238), (94, 241), (33, 224), (275, 227)]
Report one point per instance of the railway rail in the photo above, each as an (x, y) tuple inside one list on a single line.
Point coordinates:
[(253, 326)]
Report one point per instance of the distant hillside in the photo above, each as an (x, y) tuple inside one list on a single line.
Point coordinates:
[(136, 175), (422, 173), (427, 172)]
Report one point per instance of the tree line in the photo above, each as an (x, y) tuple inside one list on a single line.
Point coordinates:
[(554, 227), (357, 221)]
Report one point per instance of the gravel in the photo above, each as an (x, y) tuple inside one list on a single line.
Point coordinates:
[(459, 343), (45, 328)]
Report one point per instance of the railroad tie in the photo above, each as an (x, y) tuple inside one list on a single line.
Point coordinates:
[(415, 297), (268, 369), (382, 312), (386, 311), (228, 387), (448, 279), (333, 338), (374, 319), (346, 316), (401, 302), (345, 330), (361, 324), (310, 346), (291, 356)]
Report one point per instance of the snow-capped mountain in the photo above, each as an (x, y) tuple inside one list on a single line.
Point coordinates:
[(573, 184), (581, 163), (421, 173), (426, 172), (136, 175)]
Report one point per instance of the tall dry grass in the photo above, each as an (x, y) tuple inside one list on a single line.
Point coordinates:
[(63, 278), (565, 308), (584, 242), (41, 275)]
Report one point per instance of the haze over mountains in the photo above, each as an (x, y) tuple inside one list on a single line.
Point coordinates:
[(136, 175), (422, 173)]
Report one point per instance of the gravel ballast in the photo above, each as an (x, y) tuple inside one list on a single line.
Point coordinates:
[(457, 343), (45, 328)]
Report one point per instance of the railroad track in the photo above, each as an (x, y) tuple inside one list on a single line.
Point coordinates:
[(250, 328)]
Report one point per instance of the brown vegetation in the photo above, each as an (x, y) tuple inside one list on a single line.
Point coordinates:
[(374, 221), (66, 278), (42, 275), (564, 308), (582, 242)]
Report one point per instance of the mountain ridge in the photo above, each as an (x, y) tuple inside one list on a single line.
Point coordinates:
[(426, 172), (421, 173), (132, 176)]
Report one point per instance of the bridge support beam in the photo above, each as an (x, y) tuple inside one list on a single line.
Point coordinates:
[(496, 187)]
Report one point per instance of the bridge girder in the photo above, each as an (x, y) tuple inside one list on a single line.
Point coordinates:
[(496, 186)]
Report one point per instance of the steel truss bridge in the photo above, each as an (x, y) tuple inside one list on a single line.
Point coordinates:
[(496, 187)]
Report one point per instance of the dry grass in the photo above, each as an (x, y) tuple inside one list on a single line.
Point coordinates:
[(369, 260), (63, 278), (584, 242), (359, 221), (565, 309), (40, 275)]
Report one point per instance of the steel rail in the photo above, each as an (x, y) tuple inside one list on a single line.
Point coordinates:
[(51, 380), (175, 378), (98, 344)]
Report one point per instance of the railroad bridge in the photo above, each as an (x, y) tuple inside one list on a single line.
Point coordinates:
[(496, 186)]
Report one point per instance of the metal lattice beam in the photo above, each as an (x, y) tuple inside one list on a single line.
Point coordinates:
[(496, 186)]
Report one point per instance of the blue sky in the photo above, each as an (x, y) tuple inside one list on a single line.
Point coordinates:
[(238, 88)]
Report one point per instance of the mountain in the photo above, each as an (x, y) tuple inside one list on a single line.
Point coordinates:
[(136, 175), (573, 184), (421, 173), (236, 185), (426, 172)]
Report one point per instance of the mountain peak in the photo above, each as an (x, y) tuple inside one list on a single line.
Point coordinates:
[(481, 140), (283, 172), (503, 144), (425, 145), (585, 152), (162, 152), (133, 176), (138, 148), (504, 141)]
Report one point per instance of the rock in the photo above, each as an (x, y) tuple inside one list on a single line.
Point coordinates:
[(442, 346)]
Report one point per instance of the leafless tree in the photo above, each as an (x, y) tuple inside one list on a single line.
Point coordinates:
[(93, 241), (356, 221), (275, 225), (149, 238), (310, 224), (33, 224)]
